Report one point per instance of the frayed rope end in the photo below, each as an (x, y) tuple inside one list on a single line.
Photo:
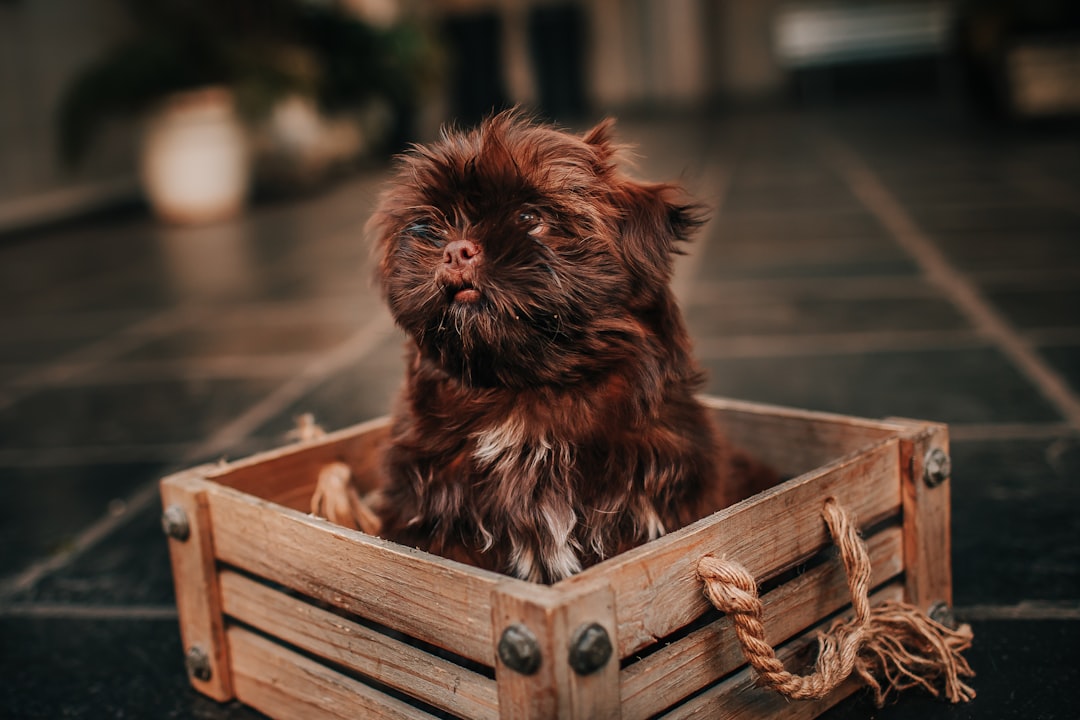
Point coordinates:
[(903, 648)]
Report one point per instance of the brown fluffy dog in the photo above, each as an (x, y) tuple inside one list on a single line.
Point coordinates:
[(548, 418)]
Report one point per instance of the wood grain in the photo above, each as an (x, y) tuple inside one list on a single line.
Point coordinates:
[(927, 521), (286, 685), (656, 586), (436, 681), (794, 441), (711, 652), (198, 597), (285, 473), (251, 515), (556, 690), (430, 598)]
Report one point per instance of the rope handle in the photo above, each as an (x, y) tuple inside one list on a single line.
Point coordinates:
[(894, 641)]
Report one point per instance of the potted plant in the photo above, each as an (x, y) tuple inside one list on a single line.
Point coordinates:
[(200, 74)]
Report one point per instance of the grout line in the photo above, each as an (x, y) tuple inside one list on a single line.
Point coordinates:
[(141, 498), (976, 432), (1065, 278), (1037, 184), (350, 351), (952, 283), (762, 346), (62, 611), (94, 354), (243, 367), (83, 324), (763, 291), (1024, 610), (324, 309), (866, 287), (1052, 336), (84, 454)]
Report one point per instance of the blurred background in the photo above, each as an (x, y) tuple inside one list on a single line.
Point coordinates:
[(92, 89), (895, 231)]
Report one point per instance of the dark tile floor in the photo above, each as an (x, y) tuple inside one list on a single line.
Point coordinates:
[(899, 262)]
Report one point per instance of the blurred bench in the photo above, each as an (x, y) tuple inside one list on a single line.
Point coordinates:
[(812, 36)]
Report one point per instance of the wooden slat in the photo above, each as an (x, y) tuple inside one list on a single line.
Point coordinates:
[(280, 472), (794, 441), (297, 498), (198, 600), (656, 586), (436, 681), (432, 599), (711, 652), (740, 698), (285, 685), (555, 691), (928, 544)]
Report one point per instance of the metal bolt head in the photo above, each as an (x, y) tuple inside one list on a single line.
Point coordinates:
[(174, 522), (198, 663), (519, 649), (590, 649), (936, 467)]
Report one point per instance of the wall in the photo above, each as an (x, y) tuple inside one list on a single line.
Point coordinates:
[(655, 53), (681, 52), (42, 44)]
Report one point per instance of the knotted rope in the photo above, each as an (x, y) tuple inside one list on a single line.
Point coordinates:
[(336, 497), (893, 646)]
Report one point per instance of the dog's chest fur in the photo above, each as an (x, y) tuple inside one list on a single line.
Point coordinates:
[(527, 493), (548, 472), (515, 463)]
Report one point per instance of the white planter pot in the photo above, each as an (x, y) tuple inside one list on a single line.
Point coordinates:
[(194, 160), (298, 147)]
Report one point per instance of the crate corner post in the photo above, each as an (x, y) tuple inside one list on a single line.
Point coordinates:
[(556, 651), (926, 469), (186, 523)]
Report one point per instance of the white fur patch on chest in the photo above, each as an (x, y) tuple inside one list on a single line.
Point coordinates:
[(508, 446), (557, 554), (520, 462)]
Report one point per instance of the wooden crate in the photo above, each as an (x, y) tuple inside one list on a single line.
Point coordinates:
[(301, 618)]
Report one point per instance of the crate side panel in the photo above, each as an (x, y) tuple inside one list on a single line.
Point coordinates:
[(429, 598), (793, 442), (286, 471), (657, 590), (282, 684), (741, 698), (432, 679), (711, 652)]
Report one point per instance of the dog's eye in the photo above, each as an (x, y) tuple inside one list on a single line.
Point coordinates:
[(531, 221), (427, 232)]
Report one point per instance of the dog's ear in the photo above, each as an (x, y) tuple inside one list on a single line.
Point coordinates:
[(601, 140), (655, 218)]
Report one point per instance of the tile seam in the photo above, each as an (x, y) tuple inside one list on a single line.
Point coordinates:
[(93, 354), (881, 203), (351, 350)]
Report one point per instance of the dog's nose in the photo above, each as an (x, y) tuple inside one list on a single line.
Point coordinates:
[(460, 253)]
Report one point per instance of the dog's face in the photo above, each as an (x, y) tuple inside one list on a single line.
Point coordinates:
[(518, 255)]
